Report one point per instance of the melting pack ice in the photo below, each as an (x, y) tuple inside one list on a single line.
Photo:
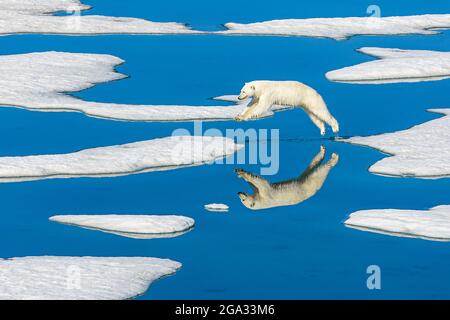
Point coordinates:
[(36, 16), (144, 156), (433, 224), (396, 65), (80, 278), (422, 151), (343, 28), (131, 226), (40, 81)]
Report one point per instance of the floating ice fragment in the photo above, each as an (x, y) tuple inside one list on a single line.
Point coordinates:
[(131, 226), (433, 224), (80, 278), (396, 65), (422, 151), (138, 157), (217, 207)]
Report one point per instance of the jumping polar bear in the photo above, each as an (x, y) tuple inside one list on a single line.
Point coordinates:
[(288, 93), (287, 193)]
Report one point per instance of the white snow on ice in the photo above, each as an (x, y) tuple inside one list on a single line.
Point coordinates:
[(433, 224), (40, 81), (422, 151), (131, 226), (80, 278), (36, 16), (144, 156), (396, 65), (343, 28), (217, 207)]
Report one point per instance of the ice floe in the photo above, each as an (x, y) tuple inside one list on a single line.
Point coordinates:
[(131, 226), (217, 207), (422, 151), (396, 65), (80, 278), (144, 156), (40, 81), (343, 28), (36, 16), (433, 224)]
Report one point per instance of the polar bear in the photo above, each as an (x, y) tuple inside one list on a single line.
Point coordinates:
[(287, 193), (288, 93)]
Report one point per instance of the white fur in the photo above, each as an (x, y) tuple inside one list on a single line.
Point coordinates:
[(265, 94), (287, 193)]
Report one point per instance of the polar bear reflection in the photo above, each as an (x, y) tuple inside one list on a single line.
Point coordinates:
[(287, 193)]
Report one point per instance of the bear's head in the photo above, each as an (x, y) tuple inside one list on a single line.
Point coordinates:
[(247, 199), (247, 91)]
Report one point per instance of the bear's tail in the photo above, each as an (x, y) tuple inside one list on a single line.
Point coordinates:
[(334, 125)]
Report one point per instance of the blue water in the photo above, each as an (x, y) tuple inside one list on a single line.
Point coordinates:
[(294, 252)]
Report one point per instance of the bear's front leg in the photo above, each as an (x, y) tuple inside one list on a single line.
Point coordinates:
[(247, 176), (240, 117), (246, 115), (257, 110), (319, 123)]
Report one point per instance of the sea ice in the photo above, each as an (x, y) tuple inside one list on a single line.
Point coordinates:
[(343, 28), (217, 207), (131, 226), (422, 151), (80, 278), (396, 65), (36, 16), (144, 156), (433, 224), (40, 81)]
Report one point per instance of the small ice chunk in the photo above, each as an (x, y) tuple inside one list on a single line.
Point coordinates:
[(217, 207)]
